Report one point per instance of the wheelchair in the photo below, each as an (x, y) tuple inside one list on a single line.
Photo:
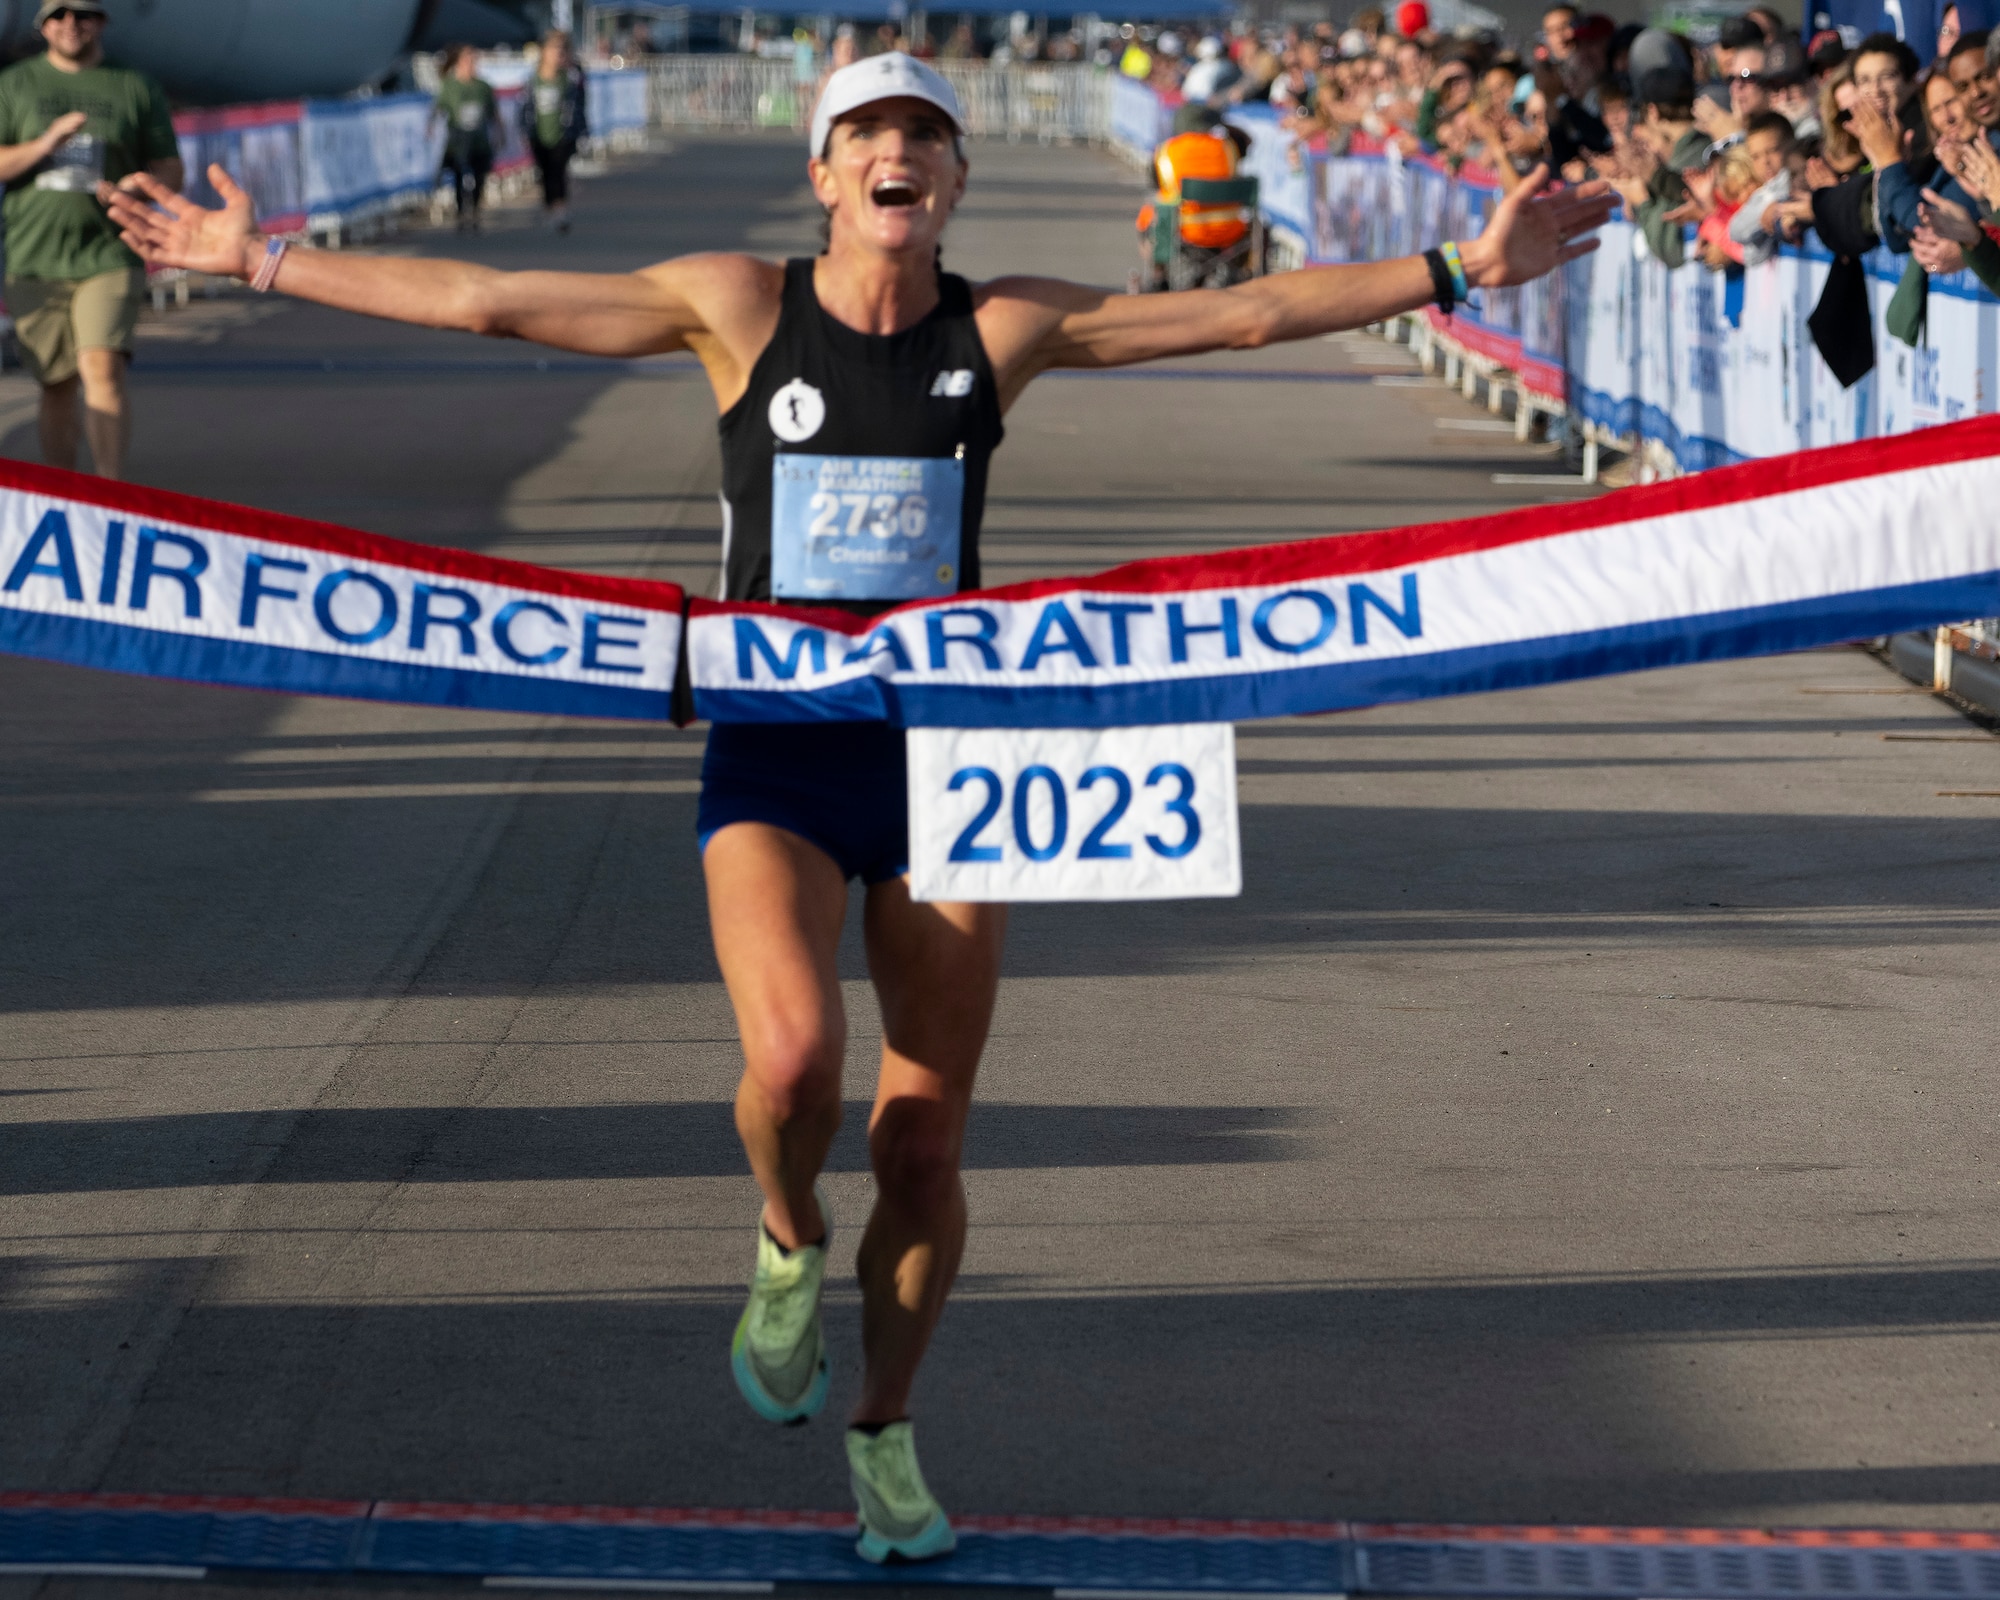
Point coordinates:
[(1203, 252)]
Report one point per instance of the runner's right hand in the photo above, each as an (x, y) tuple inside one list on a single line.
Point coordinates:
[(65, 125), (170, 230)]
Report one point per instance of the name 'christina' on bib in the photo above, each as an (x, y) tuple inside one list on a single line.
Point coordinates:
[(865, 527)]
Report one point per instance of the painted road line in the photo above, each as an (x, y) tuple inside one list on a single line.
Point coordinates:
[(636, 1585), (96, 1569), (1191, 1594)]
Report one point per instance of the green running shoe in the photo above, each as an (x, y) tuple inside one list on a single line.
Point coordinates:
[(779, 1353), (898, 1515)]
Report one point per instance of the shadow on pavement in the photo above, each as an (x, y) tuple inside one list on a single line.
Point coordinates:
[(1523, 1400)]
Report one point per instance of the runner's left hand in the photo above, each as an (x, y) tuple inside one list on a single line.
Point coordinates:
[(1531, 233)]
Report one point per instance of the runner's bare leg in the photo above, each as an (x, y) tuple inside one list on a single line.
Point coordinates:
[(936, 969), (775, 906)]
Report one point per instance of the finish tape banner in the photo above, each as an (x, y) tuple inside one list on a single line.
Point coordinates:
[(1849, 542), (136, 580)]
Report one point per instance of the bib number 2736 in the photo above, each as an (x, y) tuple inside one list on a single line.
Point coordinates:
[(1074, 813)]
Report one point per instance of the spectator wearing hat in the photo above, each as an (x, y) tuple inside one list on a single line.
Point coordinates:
[(1656, 190), (1588, 66), (1784, 81), (1748, 93), (1413, 18), (1773, 26), (1212, 72), (72, 129), (1656, 50), (1735, 182), (1735, 34)]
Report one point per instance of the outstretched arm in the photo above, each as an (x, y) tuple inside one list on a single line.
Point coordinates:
[(1033, 324), (608, 314)]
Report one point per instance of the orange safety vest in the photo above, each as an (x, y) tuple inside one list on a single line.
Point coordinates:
[(1201, 155)]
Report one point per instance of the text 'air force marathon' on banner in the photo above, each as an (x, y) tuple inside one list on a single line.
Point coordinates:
[(1848, 542)]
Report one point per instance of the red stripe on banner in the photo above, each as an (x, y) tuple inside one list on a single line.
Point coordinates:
[(1384, 551), (721, 1517), (220, 119), (1777, 1538), (815, 1521), (214, 1504), (1155, 1527), (610, 1516), (1544, 377), (1501, 347), (219, 516)]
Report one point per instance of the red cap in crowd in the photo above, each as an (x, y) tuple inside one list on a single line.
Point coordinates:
[(1412, 18)]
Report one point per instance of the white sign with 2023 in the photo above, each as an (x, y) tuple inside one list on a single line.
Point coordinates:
[(1074, 813)]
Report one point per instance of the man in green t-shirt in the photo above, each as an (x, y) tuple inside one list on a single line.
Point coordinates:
[(71, 129)]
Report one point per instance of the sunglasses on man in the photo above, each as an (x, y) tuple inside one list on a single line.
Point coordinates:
[(64, 14)]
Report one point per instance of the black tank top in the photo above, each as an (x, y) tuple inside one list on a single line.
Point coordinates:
[(854, 466)]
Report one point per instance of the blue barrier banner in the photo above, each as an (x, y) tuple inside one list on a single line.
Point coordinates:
[(1139, 119), (366, 153), (1654, 353), (614, 102), (260, 147)]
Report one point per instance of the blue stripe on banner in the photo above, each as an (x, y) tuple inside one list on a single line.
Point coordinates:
[(1347, 686), (602, 1546), (249, 664)]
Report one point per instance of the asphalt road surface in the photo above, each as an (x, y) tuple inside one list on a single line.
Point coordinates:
[(1586, 1112)]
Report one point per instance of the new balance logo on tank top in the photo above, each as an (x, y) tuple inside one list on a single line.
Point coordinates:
[(854, 466)]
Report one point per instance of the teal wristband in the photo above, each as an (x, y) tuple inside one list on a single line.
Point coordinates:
[(1456, 267)]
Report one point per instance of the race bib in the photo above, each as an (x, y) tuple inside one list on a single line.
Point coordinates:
[(548, 98), (865, 527), (76, 166), (471, 115)]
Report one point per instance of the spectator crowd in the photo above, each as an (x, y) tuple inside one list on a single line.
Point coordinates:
[(1754, 139)]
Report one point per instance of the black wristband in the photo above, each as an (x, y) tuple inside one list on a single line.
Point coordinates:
[(1441, 287)]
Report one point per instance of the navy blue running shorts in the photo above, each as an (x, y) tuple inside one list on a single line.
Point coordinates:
[(839, 785)]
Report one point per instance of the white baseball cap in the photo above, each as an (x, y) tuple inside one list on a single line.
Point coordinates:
[(885, 77)]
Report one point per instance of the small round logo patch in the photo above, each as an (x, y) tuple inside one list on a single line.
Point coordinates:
[(944, 573), (797, 410)]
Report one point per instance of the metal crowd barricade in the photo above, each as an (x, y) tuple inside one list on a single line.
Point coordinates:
[(1053, 102), (727, 91)]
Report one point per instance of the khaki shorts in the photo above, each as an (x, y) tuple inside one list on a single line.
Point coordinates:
[(56, 317)]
